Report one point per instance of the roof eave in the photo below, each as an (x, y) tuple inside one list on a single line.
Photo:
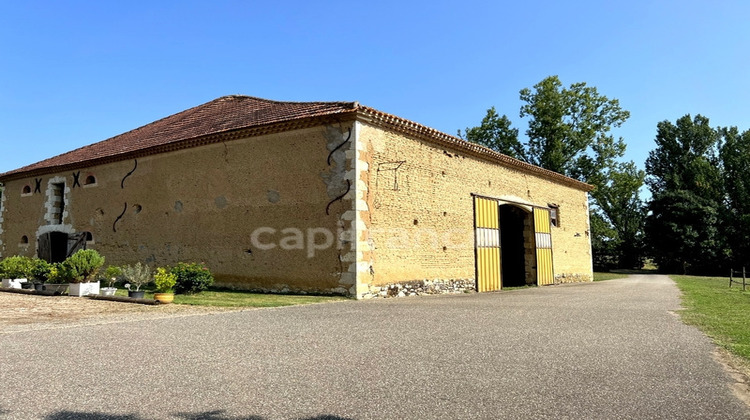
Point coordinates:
[(228, 135)]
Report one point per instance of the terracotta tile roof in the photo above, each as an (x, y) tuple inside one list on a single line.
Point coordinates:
[(233, 116), (224, 114)]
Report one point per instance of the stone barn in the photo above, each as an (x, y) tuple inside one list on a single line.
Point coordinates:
[(307, 197)]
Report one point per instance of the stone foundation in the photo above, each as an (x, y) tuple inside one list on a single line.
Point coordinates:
[(421, 287), (572, 278)]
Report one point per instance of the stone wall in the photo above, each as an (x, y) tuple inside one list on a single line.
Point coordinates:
[(420, 223), (258, 211)]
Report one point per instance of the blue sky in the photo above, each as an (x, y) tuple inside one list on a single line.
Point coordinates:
[(76, 72)]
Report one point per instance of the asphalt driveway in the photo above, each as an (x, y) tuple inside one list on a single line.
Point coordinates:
[(600, 350)]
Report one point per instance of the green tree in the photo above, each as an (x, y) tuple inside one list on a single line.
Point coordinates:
[(735, 162), (684, 176), (617, 200), (569, 128), (686, 158), (495, 132), (683, 231), (604, 242)]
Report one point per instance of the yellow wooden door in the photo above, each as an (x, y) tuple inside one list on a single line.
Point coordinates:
[(543, 236), (487, 244)]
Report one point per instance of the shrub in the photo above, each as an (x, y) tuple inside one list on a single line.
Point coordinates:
[(60, 273), (84, 264), (192, 277), (111, 274), (164, 280), (40, 270), (137, 274), (16, 267)]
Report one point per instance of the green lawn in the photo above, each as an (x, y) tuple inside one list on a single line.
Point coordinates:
[(255, 300), (237, 299), (608, 276), (720, 312)]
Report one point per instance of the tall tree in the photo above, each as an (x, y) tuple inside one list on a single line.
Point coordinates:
[(683, 231), (735, 159), (569, 128), (604, 242), (686, 158), (685, 180), (495, 132), (617, 201)]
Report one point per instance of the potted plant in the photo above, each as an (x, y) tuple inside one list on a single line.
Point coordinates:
[(60, 276), (84, 264), (139, 275), (15, 271), (110, 275), (164, 281), (40, 272)]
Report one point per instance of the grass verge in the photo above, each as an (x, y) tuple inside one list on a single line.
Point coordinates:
[(232, 298), (238, 299), (608, 276), (721, 312)]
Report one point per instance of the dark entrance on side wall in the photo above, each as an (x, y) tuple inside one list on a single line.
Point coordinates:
[(57, 246), (512, 242)]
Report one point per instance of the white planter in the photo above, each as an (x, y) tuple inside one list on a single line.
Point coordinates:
[(108, 291), (13, 283), (83, 289)]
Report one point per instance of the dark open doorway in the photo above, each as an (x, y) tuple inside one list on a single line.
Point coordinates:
[(53, 246), (514, 243), (56, 246)]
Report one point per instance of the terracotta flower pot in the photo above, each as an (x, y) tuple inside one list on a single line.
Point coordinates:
[(164, 297)]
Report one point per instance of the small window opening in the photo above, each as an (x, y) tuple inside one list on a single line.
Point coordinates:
[(24, 239), (89, 237), (90, 180), (26, 189), (554, 215)]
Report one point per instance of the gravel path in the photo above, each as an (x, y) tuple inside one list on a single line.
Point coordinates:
[(603, 350), (20, 312)]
